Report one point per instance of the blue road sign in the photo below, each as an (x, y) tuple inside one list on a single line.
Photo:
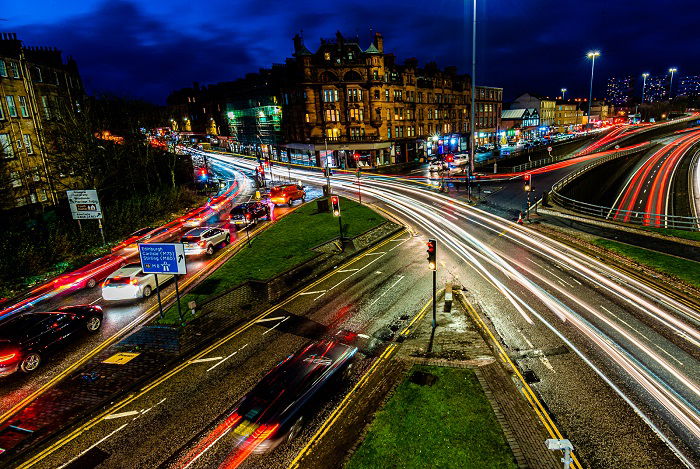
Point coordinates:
[(162, 258)]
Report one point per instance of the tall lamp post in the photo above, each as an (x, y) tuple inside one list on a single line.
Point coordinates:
[(670, 85), (472, 143), (563, 93), (591, 55), (644, 85)]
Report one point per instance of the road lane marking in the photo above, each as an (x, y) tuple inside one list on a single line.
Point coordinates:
[(398, 245), (276, 318), (165, 377), (122, 414), (375, 253), (625, 322), (203, 360), (224, 359), (674, 358), (347, 270), (275, 326), (312, 292), (91, 447), (98, 299), (386, 291)]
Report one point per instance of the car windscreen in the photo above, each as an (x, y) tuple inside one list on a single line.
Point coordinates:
[(239, 210)]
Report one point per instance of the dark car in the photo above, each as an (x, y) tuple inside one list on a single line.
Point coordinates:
[(249, 212), (26, 337), (273, 410)]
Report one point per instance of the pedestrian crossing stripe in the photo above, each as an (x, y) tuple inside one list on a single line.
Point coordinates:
[(121, 358)]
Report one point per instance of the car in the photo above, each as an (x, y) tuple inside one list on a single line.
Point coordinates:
[(204, 240), (287, 193), (91, 274), (249, 212), (129, 283), (275, 409), (26, 338), (150, 235), (437, 166)]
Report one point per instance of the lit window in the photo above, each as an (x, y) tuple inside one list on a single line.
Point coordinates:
[(15, 180), (15, 69), (6, 146), (28, 144), (12, 109), (3, 69), (45, 105), (23, 106), (327, 55)]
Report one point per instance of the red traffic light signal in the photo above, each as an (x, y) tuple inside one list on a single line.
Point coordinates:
[(528, 185), (432, 254), (335, 202)]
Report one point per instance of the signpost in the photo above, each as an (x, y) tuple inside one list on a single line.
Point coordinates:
[(84, 205), (164, 258)]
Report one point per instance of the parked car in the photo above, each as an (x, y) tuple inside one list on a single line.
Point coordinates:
[(275, 409), (204, 240), (249, 212), (91, 274), (26, 339), (286, 194), (130, 282)]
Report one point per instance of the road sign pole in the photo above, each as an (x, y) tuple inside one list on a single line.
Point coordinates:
[(340, 227), (160, 304), (359, 189), (102, 231), (177, 296)]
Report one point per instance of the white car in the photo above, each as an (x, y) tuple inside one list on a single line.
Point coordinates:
[(129, 283), (204, 240)]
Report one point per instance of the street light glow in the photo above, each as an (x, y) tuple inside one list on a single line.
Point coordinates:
[(593, 54), (673, 70)]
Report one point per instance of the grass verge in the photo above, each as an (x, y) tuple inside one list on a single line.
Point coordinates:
[(284, 245), (684, 269), (447, 425), (683, 234)]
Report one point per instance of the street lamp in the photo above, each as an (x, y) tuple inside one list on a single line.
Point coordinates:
[(472, 143), (563, 93), (670, 86), (591, 55), (644, 85)]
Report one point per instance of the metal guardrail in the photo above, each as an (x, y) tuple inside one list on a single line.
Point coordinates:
[(654, 220)]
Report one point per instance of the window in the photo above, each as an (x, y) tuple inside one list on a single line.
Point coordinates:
[(6, 146), (376, 94), (23, 106), (388, 131), (357, 115), (378, 113), (307, 117), (396, 131), (11, 108), (354, 95), (330, 96), (15, 69), (28, 144), (15, 180), (420, 97), (37, 74), (331, 115), (41, 193), (45, 105), (327, 55), (398, 95), (2, 113), (386, 95), (420, 130), (375, 75), (3, 69)]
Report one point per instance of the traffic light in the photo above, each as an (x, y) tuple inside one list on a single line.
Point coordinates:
[(203, 174), (432, 253), (527, 183), (335, 202)]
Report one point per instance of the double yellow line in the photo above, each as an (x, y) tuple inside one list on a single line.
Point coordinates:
[(526, 389), (333, 417), (132, 397)]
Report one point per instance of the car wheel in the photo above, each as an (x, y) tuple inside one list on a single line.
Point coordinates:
[(296, 429), (31, 362), (347, 372), (210, 250), (91, 283), (93, 323), (147, 290), (228, 239)]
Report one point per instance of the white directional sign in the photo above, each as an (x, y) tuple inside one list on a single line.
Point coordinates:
[(163, 258), (84, 204)]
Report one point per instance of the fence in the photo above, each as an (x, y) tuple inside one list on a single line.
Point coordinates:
[(629, 216)]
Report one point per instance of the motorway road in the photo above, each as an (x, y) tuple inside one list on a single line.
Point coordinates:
[(649, 188), (120, 318), (636, 348), (170, 424)]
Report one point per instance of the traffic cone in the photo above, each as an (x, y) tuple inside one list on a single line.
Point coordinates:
[(520, 218)]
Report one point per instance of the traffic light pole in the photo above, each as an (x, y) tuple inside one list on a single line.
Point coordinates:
[(435, 298)]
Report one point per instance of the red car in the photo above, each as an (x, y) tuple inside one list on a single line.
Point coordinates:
[(91, 274), (287, 194)]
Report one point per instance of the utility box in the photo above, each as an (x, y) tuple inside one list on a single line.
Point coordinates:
[(322, 205), (448, 297)]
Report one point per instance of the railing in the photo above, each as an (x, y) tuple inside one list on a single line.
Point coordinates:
[(653, 220)]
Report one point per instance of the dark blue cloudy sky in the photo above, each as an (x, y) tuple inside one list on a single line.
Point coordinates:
[(146, 49)]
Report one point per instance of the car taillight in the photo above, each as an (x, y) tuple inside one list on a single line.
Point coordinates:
[(7, 357), (247, 216), (134, 281), (263, 432), (202, 243)]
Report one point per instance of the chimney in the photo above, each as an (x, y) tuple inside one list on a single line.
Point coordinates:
[(379, 42)]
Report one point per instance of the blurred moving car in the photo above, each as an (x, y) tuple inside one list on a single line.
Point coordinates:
[(150, 235), (26, 338), (249, 213), (204, 240), (287, 193), (273, 411), (89, 275), (129, 283)]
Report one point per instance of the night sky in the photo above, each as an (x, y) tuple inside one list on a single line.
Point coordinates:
[(147, 49)]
